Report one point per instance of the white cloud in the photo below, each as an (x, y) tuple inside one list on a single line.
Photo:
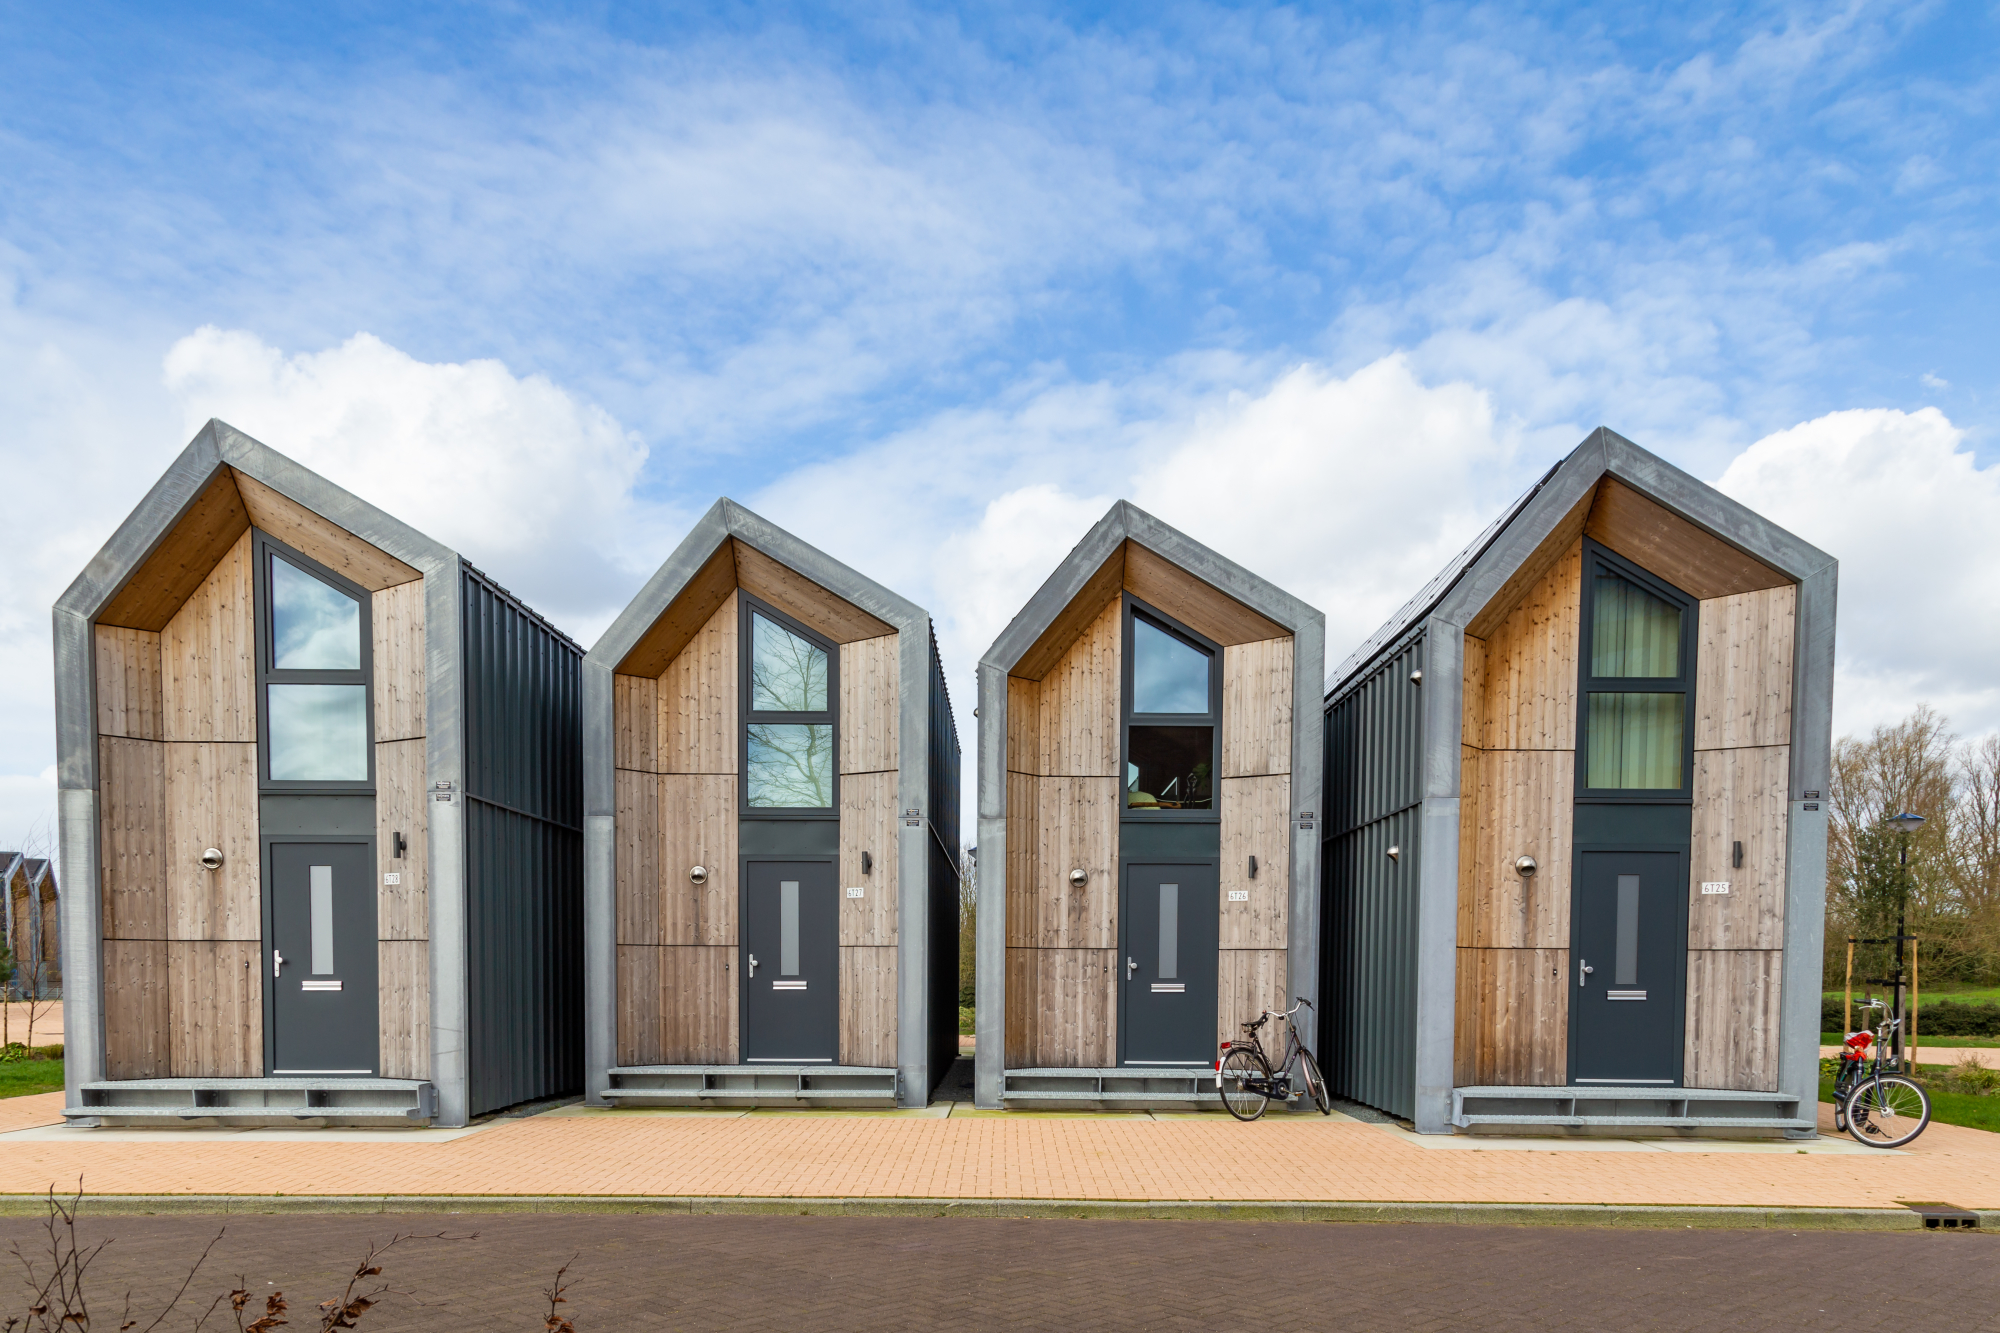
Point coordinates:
[(1910, 515), (532, 485)]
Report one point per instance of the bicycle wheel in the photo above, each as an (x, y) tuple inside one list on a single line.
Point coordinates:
[(1887, 1111), (1242, 1067), (1315, 1083)]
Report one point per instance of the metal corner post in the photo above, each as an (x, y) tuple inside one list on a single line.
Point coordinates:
[(990, 980), (1805, 839), (600, 837), (913, 832), (1308, 813), (444, 760), (1437, 875)]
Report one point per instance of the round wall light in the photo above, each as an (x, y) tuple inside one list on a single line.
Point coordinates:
[(1525, 867), (698, 875), (1078, 878), (212, 859)]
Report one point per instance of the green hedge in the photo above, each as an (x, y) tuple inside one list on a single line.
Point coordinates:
[(1935, 1018)]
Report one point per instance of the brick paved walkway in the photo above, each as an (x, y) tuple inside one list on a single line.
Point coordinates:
[(977, 1156), (929, 1274)]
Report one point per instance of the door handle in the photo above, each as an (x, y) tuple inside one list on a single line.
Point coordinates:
[(1583, 970), (277, 961), (753, 964), (1130, 968)]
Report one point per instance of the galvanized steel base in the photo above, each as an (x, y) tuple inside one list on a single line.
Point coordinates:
[(749, 1086), (1629, 1109), (171, 1103)]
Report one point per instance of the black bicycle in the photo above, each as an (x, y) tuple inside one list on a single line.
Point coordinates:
[(1243, 1074), (1873, 1100)]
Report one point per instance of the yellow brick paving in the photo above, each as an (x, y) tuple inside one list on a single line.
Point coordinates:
[(852, 1155)]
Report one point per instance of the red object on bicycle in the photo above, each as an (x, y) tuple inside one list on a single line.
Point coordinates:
[(1859, 1039)]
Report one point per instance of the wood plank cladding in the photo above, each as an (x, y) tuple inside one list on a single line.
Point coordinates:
[(129, 698), (676, 1005), (1077, 712), (402, 909), (182, 559), (1662, 542), (1732, 1019), (321, 538), (1257, 708), (697, 699), (1522, 804), (1256, 821), (697, 827), (1527, 666), (211, 801), (1513, 1018), (1739, 796), (870, 702), (635, 723), (400, 664), (1249, 981), (868, 1006), (636, 856), (216, 1008), (404, 1014), (1075, 827), (713, 584), (869, 823), (802, 599), (132, 834), (136, 1009), (1743, 669), (1062, 1009), (208, 656), (1201, 606)]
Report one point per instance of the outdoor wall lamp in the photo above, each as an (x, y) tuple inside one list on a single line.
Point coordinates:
[(211, 859), (698, 875), (1417, 676), (1078, 878), (1525, 867), (867, 864), (1253, 867), (1396, 853), (402, 845)]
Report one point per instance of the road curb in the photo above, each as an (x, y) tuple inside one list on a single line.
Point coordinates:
[(1648, 1216)]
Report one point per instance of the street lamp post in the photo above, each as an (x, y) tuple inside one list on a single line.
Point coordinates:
[(1903, 825)]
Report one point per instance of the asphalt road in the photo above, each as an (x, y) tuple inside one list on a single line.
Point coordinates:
[(799, 1273)]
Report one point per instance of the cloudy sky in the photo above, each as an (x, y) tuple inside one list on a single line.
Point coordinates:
[(933, 287)]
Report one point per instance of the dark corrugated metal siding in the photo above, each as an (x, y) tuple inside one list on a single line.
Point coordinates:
[(524, 851), (943, 868), (1374, 796)]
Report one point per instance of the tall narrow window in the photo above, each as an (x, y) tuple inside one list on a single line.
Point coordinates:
[(313, 666), (789, 689), (1638, 681), (1172, 718)]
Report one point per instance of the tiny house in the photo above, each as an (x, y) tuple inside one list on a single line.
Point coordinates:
[(1576, 836), (771, 832), (1149, 770), (320, 801), (33, 926)]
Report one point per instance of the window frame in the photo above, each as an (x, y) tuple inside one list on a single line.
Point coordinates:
[(1128, 661), (749, 607), (267, 548), (1601, 560)]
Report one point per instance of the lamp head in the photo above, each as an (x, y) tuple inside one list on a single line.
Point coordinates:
[(1905, 822)]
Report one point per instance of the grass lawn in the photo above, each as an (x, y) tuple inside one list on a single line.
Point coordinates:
[(1942, 991), (1923, 1043), (1947, 1108), (22, 1077)]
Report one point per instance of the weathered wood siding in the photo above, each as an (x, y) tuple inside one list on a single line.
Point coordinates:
[(1254, 798), (402, 806), (870, 806)]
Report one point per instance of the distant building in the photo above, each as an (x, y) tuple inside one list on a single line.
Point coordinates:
[(34, 927)]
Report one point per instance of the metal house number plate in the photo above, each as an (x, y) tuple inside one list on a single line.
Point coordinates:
[(1239, 895), (854, 891), (1715, 886)]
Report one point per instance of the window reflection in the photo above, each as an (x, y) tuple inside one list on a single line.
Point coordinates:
[(1170, 768), (318, 733), (787, 673), (1168, 675), (789, 765), (314, 626)]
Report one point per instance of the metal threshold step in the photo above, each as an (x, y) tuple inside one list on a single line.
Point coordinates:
[(234, 1112), (1086, 1096), (762, 1094), (1621, 1093), (1647, 1121)]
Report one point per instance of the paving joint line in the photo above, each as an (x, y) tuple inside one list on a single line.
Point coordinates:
[(1650, 1216)]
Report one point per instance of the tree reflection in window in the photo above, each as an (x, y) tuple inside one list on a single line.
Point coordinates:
[(787, 673), (790, 765), (788, 751)]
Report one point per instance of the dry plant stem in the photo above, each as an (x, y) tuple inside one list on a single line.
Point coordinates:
[(556, 1323), (347, 1309), (59, 1300)]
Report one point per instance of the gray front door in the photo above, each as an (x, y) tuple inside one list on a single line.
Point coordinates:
[(791, 963), (1630, 960), (1169, 923), (320, 960)]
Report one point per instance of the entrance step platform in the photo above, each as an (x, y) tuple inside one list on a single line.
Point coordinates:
[(1634, 1108), (752, 1085), (1127, 1089), (172, 1102)]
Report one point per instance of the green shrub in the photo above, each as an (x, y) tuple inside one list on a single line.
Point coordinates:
[(1935, 1018)]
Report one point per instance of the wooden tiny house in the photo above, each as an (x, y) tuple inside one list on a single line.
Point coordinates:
[(1599, 742), (772, 824), (1148, 782), (320, 807)]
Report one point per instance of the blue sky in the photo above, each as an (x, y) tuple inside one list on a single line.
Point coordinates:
[(934, 286)]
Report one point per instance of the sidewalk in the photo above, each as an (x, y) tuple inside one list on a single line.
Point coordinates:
[(951, 1152)]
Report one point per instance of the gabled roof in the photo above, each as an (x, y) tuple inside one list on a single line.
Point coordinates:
[(1726, 546), (730, 548), (1129, 548)]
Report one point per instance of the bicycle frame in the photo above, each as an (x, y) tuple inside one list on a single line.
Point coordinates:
[(1279, 1088)]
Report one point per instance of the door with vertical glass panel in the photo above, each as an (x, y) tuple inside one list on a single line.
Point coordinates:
[(790, 962), (1169, 922), (1627, 967), (320, 961)]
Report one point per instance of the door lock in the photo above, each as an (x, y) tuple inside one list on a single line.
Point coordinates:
[(277, 961), (1583, 970), (1130, 968), (753, 964)]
